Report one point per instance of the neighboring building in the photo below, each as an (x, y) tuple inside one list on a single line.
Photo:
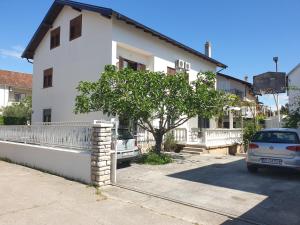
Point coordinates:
[(294, 87), (75, 41), (14, 86), (244, 90)]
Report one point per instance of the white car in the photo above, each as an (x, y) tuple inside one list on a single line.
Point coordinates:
[(126, 144), (279, 147)]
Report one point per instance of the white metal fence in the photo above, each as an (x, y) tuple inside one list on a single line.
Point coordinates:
[(67, 135)]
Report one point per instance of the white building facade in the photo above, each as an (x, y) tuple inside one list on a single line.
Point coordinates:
[(294, 87), (104, 39), (74, 43), (244, 90)]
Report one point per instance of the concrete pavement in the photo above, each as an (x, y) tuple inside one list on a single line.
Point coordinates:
[(219, 183), (223, 184), (34, 198), (31, 197)]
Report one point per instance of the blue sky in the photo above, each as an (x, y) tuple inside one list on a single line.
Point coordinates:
[(245, 35)]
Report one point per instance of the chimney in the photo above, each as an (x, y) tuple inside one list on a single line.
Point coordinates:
[(208, 49), (246, 78)]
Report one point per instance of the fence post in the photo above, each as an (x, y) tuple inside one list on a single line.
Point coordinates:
[(100, 157)]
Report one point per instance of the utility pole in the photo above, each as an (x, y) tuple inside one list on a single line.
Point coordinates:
[(276, 98)]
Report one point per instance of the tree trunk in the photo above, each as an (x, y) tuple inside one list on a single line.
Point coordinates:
[(158, 142)]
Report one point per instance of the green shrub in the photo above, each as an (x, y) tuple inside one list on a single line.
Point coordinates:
[(153, 158), (18, 113), (293, 119), (1, 120), (250, 129), (8, 120), (170, 145)]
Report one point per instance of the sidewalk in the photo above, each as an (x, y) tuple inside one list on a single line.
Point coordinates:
[(32, 197)]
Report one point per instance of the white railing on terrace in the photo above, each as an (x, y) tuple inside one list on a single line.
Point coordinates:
[(146, 138), (67, 135), (180, 135), (216, 137), (222, 137), (204, 137)]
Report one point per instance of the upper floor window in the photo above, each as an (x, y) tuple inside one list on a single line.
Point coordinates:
[(48, 74), (75, 27), (125, 63), (171, 71), (55, 38), (19, 97)]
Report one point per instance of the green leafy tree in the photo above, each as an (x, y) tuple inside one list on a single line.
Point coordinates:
[(293, 118), (144, 96), (284, 109), (18, 113)]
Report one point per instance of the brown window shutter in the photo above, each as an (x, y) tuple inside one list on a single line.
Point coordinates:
[(171, 71), (121, 63), (75, 27), (141, 67), (48, 74), (55, 38)]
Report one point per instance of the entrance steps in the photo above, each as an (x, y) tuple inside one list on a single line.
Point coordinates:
[(193, 149)]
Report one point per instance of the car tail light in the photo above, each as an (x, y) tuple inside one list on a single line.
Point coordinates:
[(295, 148), (253, 146)]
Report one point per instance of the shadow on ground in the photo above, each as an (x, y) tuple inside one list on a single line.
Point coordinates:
[(281, 186)]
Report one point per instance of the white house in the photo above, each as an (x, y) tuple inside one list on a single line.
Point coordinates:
[(75, 41), (14, 86), (101, 36), (294, 87), (244, 90)]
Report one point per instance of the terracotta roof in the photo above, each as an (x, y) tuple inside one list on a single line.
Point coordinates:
[(16, 79), (58, 5)]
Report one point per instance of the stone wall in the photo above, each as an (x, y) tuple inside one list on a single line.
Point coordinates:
[(101, 154)]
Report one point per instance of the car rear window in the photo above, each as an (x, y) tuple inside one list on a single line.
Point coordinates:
[(123, 134), (276, 137)]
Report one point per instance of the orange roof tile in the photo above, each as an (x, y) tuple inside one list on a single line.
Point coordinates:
[(16, 79)]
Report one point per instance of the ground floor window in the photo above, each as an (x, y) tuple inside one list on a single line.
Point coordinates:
[(203, 123), (47, 115), (125, 123)]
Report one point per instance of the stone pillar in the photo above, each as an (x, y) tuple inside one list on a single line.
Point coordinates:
[(100, 157)]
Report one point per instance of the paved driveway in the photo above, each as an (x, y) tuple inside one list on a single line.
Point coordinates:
[(222, 184)]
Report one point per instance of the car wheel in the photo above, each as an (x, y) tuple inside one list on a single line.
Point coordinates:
[(252, 169)]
